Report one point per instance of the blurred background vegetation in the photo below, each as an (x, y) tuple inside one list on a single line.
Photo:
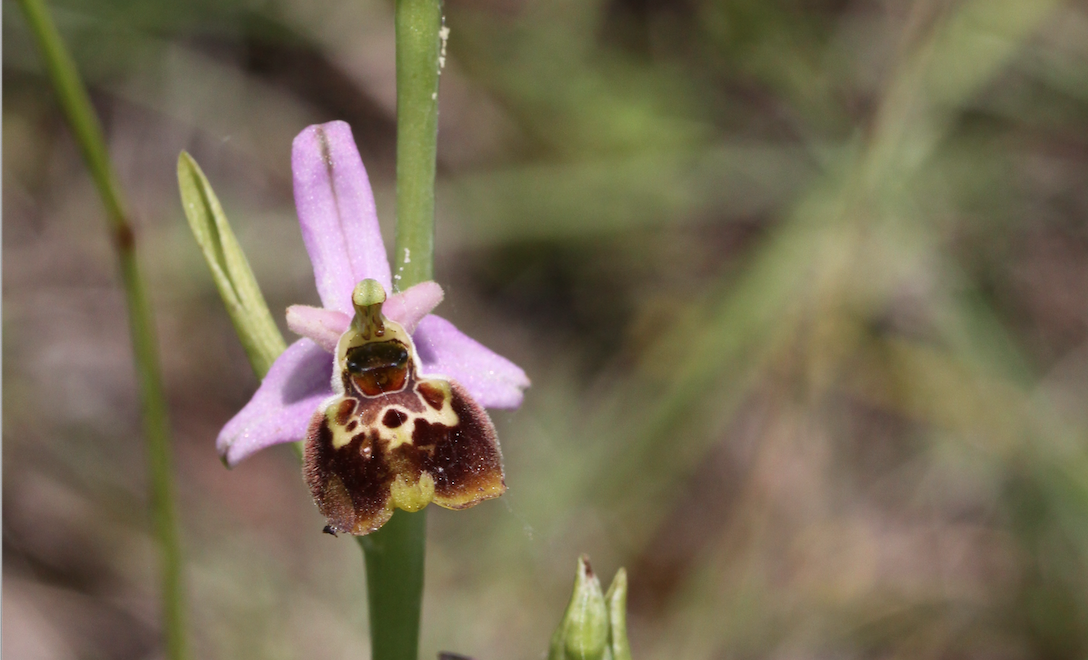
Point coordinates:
[(802, 286)]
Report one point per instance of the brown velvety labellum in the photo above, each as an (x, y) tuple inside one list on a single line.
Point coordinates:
[(465, 461), (428, 441)]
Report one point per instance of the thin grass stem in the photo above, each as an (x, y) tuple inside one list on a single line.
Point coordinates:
[(88, 134)]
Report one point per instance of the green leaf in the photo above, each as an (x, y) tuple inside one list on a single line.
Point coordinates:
[(233, 277)]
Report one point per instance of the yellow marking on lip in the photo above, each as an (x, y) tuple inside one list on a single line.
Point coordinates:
[(399, 435), (340, 435), (395, 436), (403, 433), (444, 415)]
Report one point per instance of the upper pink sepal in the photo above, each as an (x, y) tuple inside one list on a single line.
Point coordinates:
[(336, 211)]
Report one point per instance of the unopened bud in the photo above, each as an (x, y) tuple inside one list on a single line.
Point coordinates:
[(583, 632), (616, 601)]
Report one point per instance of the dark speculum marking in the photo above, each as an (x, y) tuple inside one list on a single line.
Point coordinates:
[(344, 411), (394, 418), (352, 425), (434, 396), (379, 367)]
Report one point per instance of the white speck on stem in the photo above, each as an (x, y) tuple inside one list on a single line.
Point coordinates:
[(407, 256), (444, 35)]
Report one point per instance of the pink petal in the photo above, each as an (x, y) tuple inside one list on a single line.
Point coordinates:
[(323, 326), (410, 306), (280, 411), (491, 379), (336, 210)]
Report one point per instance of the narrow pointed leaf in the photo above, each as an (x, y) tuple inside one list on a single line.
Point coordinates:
[(230, 269)]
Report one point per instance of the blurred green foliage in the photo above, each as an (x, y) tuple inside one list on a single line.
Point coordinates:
[(802, 287)]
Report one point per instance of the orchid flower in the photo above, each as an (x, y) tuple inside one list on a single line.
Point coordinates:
[(342, 236)]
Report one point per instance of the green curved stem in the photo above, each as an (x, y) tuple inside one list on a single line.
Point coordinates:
[(395, 553), (88, 134)]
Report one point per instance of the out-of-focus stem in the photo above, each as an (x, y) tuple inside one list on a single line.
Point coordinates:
[(88, 135), (395, 553)]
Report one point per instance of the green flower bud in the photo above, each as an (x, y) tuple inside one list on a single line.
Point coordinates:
[(616, 601), (594, 627)]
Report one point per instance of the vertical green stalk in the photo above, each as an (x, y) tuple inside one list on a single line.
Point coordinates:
[(395, 553), (88, 134), (419, 60), (394, 584)]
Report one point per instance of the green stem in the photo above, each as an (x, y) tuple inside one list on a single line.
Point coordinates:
[(88, 134), (419, 47), (395, 553), (394, 582)]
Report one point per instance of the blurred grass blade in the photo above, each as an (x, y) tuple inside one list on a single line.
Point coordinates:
[(87, 131), (233, 277)]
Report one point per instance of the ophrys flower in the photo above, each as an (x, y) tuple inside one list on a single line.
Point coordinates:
[(342, 236)]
